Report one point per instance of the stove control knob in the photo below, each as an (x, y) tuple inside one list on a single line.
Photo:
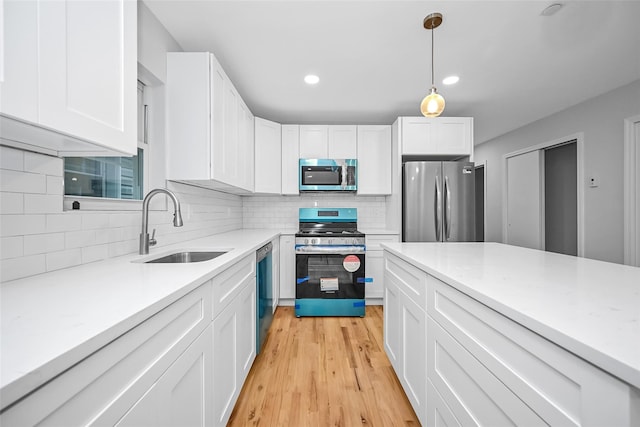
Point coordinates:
[(315, 241), (306, 241)]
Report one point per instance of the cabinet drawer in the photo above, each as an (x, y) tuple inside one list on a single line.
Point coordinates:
[(473, 393), (373, 241), (105, 385), (560, 387), (228, 284), (411, 280)]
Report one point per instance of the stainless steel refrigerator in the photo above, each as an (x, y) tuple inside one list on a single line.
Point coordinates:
[(438, 202)]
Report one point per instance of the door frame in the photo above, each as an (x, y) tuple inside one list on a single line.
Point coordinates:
[(579, 139), (631, 193), (483, 164)]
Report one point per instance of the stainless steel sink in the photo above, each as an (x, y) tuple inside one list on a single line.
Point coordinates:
[(185, 257)]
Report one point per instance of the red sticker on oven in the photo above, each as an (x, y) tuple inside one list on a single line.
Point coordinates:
[(351, 263)]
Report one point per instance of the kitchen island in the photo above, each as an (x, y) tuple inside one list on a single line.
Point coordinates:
[(489, 333)]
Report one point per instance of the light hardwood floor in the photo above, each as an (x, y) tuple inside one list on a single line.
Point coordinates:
[(323, 371)]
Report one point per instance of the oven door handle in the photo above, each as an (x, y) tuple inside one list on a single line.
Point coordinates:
[(330, 249)]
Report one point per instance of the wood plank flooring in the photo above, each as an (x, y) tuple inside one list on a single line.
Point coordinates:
[(323, 371)]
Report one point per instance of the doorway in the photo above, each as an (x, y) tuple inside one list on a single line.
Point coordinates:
[(543, 197), (480, 187), (632, 191)]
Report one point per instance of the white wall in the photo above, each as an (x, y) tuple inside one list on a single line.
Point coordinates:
[(601, 119)]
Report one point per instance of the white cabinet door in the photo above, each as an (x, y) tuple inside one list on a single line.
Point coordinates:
[(268, 157), (70, 69), (225, 364), (417, 135), (246, 332), (182, 395), (442, 136), (290, 156), (234, 349), (392, 325), (287, 267), (342, 142), (314, 140), (374, 160), (413, 374), (246, 147), (88, 70), (225, 152), (19, 77)]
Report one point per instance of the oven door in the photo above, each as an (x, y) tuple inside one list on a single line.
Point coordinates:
[(330, 272)]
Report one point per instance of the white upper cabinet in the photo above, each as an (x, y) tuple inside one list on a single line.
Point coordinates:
[(374, 160), (70, 69), (209, 127), (328, 142), (290, 156), (314, 141), (342, 142), (268, 156), (441, 136)]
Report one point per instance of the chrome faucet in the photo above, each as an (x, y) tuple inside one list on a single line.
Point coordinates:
[(145, 242)]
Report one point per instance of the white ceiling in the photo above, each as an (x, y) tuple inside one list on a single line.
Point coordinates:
[(373, 57)]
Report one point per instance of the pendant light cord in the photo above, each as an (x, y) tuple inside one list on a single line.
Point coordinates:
[(432, 73)]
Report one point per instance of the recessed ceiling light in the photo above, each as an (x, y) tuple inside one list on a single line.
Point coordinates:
[(451, 80), (311, 79)]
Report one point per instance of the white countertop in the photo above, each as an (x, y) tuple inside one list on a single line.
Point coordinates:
[(591, 308), (51, 321)]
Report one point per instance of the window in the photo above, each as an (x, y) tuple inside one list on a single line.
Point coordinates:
[(110, 177)]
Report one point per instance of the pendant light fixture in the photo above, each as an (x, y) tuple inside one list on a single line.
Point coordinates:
[(433, 104)]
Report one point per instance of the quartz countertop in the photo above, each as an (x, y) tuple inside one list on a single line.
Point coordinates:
[(51, 321), (591, 308)]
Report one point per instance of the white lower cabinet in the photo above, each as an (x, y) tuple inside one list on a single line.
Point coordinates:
[(159, 370), (287, 268), (405, 335), (234, 349)]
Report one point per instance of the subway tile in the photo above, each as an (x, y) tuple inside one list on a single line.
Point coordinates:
[(11, 158), (63, 259), (95, 253), (55, 185), (11, 247), (79, 239), (43, 243), (18, 225), (43, 164), (70, 221), (125, 219), (22, 182), (17, 268), (11, 203), (95, 221), (42, 203)]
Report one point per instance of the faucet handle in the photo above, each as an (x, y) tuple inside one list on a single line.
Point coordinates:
[(152, 240)]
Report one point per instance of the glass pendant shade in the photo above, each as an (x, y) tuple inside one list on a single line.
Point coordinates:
[(433, 104)]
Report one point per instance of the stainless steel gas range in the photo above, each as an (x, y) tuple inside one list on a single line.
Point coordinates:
[(330, 263)]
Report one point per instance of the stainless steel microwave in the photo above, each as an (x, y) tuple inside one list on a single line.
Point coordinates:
[(328, 174)]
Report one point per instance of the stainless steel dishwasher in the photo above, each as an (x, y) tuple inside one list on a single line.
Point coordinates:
[(264, 294)]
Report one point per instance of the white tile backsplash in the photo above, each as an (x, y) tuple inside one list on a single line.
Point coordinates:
[(43, 243), (25, 266), (19, 225), (22, 182), (43, 164), (11, 247), (11, 203), (42, 203), (11, 159)]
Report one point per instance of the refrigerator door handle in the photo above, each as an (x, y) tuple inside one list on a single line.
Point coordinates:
[(438, 210), (447, 210)]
